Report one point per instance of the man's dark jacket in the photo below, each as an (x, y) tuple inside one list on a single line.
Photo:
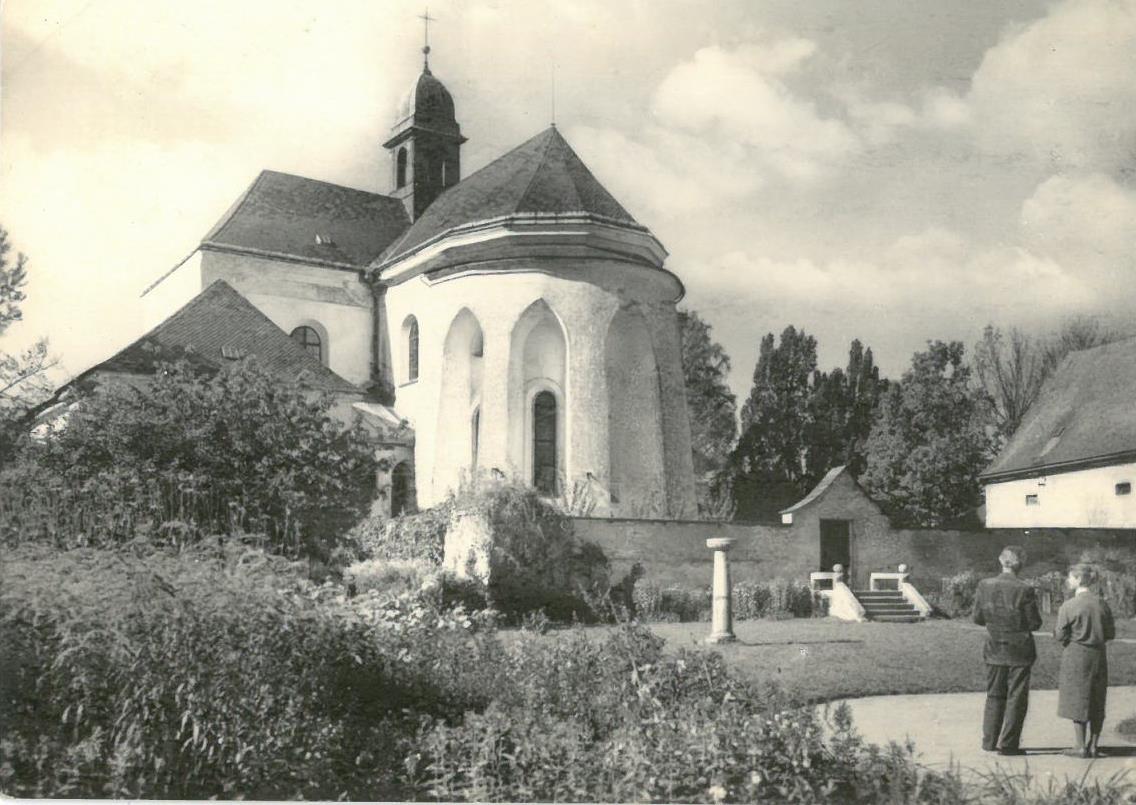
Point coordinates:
[(1007, 607)]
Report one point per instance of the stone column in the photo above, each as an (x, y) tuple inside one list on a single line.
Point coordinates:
[(722, 612)]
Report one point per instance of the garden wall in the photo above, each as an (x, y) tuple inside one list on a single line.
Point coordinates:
[(675, 552)]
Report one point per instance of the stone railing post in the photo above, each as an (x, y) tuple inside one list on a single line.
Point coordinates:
[(722, 608)]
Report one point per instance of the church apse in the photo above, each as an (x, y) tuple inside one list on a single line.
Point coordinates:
[(537, 405), (459, 426), (637, 464)]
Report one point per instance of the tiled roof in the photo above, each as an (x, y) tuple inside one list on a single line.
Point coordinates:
[(542, 175), (817, 491), (219, 325), (282, 214), (1085, 411)]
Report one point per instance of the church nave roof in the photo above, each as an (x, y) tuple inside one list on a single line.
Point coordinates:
[(295, 217)]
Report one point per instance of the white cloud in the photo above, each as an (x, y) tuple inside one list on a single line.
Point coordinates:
[(1061, 89), (740, 96)]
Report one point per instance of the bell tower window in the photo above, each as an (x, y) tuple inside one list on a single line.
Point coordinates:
[(400, 169)]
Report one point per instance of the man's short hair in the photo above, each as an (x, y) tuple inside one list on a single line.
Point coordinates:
[(1085, 573), (1012, 557)]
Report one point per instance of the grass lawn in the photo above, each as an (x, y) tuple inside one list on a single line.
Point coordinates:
[(822, 658)]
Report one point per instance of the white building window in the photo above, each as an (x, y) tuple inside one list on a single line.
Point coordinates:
[(310, 340)]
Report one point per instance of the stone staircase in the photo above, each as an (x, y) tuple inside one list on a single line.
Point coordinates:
[(888, 606)]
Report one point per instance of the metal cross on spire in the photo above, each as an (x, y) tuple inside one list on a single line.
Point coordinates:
[(426, 20)]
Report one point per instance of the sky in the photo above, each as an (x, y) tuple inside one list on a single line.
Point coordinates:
[(888, 170)]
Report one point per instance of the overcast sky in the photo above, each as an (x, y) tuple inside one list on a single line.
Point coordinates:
[(895, 171)]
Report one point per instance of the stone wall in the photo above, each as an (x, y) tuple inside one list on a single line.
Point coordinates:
[(675, 552)]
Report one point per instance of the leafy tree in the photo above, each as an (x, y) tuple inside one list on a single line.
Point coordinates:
[(930, 442), (1011, 370), (769, 462), (23, 375), (710, 403), (842, 407), (235, 449)]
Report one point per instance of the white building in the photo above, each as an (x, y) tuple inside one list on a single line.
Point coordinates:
[(1072, 463), (519, 320)]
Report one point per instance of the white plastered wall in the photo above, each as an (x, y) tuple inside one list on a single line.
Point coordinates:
[(583, 296), (1080, 499), (335, 302)]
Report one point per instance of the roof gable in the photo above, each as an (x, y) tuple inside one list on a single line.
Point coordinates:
[(291, 216), (1085, 411), (218, 326), (542, 175)]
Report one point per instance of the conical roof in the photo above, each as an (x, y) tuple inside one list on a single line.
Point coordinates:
[(542, 175)]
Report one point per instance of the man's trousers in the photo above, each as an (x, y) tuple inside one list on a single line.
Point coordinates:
[(1007, 699)]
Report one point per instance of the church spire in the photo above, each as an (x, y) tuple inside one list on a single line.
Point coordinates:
[(425, 143), (426, 20)]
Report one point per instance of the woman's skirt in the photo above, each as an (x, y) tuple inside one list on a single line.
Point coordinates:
[(1084, 683)]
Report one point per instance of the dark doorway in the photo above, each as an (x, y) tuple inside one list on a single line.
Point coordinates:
[(835, 544), (401, 490)]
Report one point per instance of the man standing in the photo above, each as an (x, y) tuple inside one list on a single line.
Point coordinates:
[(1007, 607)]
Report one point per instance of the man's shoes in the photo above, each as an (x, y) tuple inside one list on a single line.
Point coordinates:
[(1011, 751), (989, 749)]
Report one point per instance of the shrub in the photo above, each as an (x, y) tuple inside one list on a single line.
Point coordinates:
[(616, 719), (669, 604), (238, 450), (957, 594), (1117, 578), (536, 562), (411, 537), (780, 598), (216, 673)]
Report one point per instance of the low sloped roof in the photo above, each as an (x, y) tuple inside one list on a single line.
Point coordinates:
[(218, 326), (1085, 412), (817, 491), (281, 214), (542, 175)]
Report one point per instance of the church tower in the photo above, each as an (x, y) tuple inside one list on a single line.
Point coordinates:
[(425, 144)]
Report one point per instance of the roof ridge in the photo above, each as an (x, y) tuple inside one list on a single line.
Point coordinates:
[(549, 139)]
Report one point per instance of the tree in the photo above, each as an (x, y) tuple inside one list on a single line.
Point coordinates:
[(23, 375), (842, 407), (1076, 333), (769, 462), (930, 441), (237, 449), (1011, 370), (711, 406)]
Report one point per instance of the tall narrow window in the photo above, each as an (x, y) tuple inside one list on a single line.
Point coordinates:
[(412, 350), (544, 443), (474, 440), (310, 340), (400, 169)]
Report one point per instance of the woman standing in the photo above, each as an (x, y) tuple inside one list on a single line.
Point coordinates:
[(1084, 625)]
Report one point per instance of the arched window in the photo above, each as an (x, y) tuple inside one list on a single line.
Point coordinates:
[(412, 349), (310, 340), (544, 443), (400, 489), (400, 169)]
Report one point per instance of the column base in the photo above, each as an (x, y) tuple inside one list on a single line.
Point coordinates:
[(722, 637)]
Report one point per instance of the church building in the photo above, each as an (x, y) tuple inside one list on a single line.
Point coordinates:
[(517, 322)]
